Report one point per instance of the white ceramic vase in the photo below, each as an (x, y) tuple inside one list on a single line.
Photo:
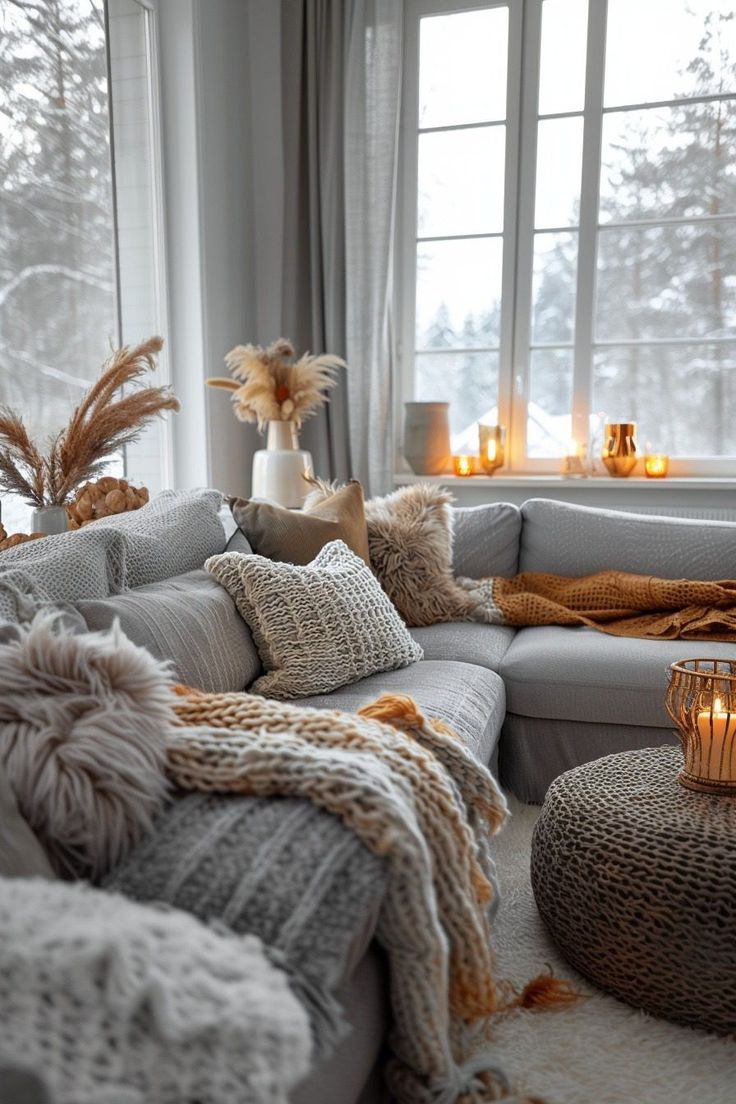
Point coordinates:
[(49, 519), (279, 469)]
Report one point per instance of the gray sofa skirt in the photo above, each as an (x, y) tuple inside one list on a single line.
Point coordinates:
[(534, 750)]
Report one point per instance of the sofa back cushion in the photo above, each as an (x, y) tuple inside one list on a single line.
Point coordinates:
[(190, 620), (486, 540), (578, 540)]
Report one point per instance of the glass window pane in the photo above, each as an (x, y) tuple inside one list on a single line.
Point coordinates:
[(667, 281), (57, 310), (562, 61), (662, 50), (458, 293), (469, 382), (461, 181), (462, 67), (681, 397), (559, 168), (669, 161), (549, 420), (554, 287)]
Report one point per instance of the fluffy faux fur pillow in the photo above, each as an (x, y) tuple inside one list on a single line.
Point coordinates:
[(83, 723), (410, 546)]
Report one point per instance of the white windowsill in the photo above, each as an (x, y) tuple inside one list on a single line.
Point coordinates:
[(593, 482)]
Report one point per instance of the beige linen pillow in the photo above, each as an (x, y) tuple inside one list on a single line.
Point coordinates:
[(296, 536), (317, 626), (410, 545)]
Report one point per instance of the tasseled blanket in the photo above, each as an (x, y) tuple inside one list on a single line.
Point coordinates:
[(612, 601), (411, 792)]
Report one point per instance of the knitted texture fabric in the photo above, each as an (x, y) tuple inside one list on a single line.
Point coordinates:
[(411, 792), (318, 626), (614, 602), (281, 868), (173, 533), (119, 1003)]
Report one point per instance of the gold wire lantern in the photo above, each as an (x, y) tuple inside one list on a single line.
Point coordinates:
[(701, 700), (492, 441)]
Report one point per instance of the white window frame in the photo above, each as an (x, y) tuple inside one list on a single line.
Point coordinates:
[(157, 186), (515, 346)]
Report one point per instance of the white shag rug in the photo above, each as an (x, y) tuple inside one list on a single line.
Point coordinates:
[(598, 1051)]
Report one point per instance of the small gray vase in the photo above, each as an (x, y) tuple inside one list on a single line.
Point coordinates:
[(427, 437), (49, 520)]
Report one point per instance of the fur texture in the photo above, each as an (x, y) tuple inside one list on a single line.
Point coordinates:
[(410, 545), (83, 722)]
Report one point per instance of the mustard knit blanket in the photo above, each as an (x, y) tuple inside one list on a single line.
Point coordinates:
[(412, 793), (614, 602)]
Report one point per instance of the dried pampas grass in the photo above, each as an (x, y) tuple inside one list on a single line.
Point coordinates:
[(83, 724), (266, 387), (101, 425)]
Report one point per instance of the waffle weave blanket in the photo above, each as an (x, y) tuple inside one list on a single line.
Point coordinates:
[(412, 793), (614, 602)]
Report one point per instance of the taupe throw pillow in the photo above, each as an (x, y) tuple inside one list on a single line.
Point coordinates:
[(296, 536), (317, 626), (410, 546)]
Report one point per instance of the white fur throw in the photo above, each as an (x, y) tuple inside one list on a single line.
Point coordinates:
[(113, 1002), (318, 626), (83, 721)]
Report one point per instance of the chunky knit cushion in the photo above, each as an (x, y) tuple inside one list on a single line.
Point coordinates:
[(317, 626)]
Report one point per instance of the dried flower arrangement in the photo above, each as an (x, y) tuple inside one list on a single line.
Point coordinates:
[(101, 499), (268, 386), (100, 425)]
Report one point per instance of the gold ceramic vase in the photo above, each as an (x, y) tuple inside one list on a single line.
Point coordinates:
[(619, 448)]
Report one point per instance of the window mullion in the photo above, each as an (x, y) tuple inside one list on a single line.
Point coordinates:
[(522, 303), (589, 197)]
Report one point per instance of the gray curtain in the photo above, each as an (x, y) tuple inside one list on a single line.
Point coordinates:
[(341, 79)]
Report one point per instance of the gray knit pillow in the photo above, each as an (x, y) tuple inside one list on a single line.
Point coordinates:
[(319, 626)]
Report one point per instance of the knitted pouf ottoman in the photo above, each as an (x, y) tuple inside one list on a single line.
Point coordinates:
[(635, 877)]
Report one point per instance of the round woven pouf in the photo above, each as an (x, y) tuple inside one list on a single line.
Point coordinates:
[(635, 877)]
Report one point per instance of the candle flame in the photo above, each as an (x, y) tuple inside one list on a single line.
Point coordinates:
[(716, 705), (491, 450)]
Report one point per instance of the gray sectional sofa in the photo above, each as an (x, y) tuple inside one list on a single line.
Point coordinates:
[(531, 703)]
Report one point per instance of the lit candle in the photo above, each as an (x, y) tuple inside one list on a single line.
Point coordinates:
[(716, 729), (572, 461), (656, 465), (491, 449), (464, 465)]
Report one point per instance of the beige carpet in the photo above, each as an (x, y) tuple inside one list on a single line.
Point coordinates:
[(599, 1051)]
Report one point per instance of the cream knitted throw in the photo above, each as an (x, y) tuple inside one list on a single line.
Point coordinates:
[(413, 793), (113, 1002)]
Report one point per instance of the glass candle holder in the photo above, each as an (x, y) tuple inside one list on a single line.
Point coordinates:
[(492, 441), (701, 700), (573, 462), (463, 465), (656, 465), (619, 448)]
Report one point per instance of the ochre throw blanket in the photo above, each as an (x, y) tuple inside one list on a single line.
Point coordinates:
[(411, 792), (611, 601)]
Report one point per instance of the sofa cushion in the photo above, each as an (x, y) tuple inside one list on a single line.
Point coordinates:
[(470, 699), (486, 540), (585, 675), (189, 619), (316, 626), (578, 540), (467, 642), (173, 533)]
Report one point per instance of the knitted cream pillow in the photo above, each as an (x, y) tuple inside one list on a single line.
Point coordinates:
[(317, 626)]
